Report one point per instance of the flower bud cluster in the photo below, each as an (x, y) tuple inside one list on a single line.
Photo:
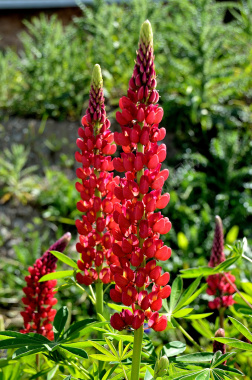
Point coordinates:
[(39, 296), (137, 222), (219, 285), (96, 189)]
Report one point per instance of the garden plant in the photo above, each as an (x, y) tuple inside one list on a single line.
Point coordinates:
[(120, 255)]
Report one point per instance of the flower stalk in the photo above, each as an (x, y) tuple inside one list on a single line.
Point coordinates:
[(39, 296), (96, 191)]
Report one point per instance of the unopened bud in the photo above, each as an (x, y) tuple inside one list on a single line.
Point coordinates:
[(161, 367), (146, 35), (218, 346), (97, 81)]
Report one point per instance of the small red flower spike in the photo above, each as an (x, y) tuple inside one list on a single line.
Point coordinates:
[(138, 223), (96, 189), (39, 296), (219, 285)]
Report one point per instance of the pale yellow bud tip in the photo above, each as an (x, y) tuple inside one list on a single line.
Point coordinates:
[(146, 35), (97, 81)]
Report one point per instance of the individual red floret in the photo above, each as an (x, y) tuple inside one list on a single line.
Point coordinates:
[(157, 323)]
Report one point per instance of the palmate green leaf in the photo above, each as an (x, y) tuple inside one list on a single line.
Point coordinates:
[(165, 305), (60, 322), (109, 372), (247, 287), (216, 361), (128, 355), (205, 375), (196, 272), (85, 344), (56, 275), (235, 343), (240, 327), (177, 288), (190, 376), (31, 337), (226, 368), (182, 312), (120, 337), (65, 259), (104, 351), (112, 347), (17, 342), (173, 349), (195, 295), (78, 326), (206, 271), (75, 351), (203, 328), (197, 357), (121, 375), (188, 293), (198, 316), (125, 351), (27, 350), (226, 264), (102, 358), (117, 307)]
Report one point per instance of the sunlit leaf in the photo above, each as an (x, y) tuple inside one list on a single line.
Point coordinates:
[(56, 275)]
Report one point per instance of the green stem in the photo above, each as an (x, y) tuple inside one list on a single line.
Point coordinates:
[(137, 349), (99, 310), (222, 313), (175, 323), (99, 297)]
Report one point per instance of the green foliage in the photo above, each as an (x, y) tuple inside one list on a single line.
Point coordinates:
[(16, 180), (51, 74), (59, 196)]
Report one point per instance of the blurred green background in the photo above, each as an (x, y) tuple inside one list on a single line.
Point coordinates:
[(203, 51)]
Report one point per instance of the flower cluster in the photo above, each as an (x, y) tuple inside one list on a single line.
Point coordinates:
[(96, 189), (39, 296), (137, 224), (219, 285)]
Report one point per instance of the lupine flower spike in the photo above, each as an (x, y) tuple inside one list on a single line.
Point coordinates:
[(138, 224), (39, 296), (96, 189), (217, 284), (217, 346)]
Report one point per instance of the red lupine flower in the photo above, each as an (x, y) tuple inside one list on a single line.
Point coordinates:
[(96, 189), (39, 296), (219, 285), (217, 346), (137, 224)]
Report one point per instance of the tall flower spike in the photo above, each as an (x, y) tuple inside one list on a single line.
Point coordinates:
[(138, 224), (96, 189), (217, 255), (219, 285), (39, 296)]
